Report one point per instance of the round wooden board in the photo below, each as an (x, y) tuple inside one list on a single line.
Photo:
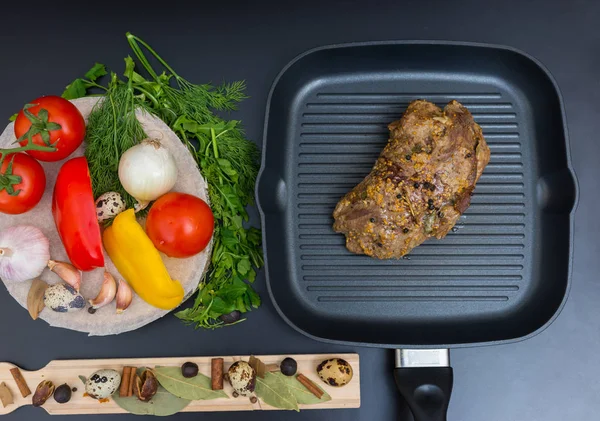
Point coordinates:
[(105, 321)]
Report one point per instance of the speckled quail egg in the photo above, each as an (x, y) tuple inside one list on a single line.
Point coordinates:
[(63, 298), (109, 205), (242, 378), (335, 372), (103, 383)]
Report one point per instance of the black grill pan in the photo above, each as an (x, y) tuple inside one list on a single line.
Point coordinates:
[(501, 275)]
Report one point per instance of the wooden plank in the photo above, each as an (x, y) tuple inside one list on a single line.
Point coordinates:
[(67, 371)]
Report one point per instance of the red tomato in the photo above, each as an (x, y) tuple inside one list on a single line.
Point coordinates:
[(74, 213), (60, 111), (32, 185), (180, 225)]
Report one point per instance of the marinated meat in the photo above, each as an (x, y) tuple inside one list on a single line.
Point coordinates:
[(420, 185)]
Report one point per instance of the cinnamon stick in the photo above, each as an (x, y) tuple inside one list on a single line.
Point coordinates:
[(20, 380), (216, 373), (310, 385), (132, 375), (124, 389)]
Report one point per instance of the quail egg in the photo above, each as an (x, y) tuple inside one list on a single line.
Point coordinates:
[(335, 372), (103, 383), (109, 205), (242, 378), (63, 298)]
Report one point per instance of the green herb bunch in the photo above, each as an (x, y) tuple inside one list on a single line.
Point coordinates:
[(112, 129), (227, 160)]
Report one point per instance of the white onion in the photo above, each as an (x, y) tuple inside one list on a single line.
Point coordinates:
[(24, 253), (147, 171)]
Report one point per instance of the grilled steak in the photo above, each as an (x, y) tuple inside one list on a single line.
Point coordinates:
[(420, 185)]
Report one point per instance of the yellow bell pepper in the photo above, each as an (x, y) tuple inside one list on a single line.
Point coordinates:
[(138, 261)]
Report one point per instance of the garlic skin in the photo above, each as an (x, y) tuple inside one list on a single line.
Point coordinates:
[(147, 171), (24, 253), (107, 292), (67, 272), (124, 296)]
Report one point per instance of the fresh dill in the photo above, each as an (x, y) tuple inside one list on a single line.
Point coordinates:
[(112, 129)]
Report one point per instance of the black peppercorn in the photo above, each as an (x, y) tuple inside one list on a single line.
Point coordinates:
[(232, 317), (469, 155), (379, 245), (91, 310), (288, 366), (405, 230), (431, 187), (407, 157), (416, 185), (62, 394), (398, 196), (189, 370), (430, 202), (372, 219)]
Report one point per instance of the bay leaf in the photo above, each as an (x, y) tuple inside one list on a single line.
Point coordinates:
[(194, 388), (162, 404), (274, 391), (301, 393)]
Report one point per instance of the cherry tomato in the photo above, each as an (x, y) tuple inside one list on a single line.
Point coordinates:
[(60, 111), (180, 225), (32, 185)]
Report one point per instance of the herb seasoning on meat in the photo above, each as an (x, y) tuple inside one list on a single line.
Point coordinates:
[(447, 168)]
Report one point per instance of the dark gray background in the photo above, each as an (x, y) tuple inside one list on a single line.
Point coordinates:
[(553, 376)]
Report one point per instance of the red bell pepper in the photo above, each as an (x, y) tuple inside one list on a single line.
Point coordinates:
[(74, 213)]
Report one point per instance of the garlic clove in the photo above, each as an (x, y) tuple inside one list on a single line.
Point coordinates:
[(107, 292), (67, 272), (124, 296)]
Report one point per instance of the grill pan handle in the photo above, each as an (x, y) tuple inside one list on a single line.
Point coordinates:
[(424, 378)]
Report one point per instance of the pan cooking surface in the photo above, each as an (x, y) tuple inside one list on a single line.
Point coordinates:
[(501, 274)]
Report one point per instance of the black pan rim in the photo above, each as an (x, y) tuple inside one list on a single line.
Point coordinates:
[(569, 167)]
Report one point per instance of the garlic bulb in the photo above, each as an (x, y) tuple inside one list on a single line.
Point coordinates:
[(147, 171), (24, 253)]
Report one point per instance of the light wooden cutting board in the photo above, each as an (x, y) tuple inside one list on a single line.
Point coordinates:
[(68, 371)]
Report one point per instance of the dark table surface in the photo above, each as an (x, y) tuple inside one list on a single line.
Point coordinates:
[(554, 376)]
